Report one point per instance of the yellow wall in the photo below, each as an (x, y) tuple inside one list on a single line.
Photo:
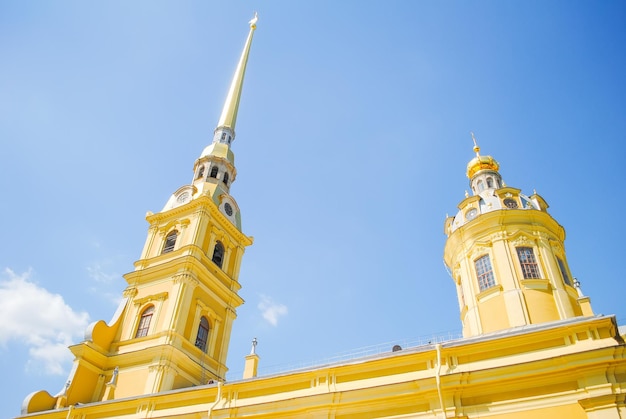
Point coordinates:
[(574, 368)]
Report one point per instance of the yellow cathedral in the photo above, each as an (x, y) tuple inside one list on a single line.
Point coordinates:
[(531, 345)]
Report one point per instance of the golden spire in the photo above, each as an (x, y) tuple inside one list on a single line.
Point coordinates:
[(229, 112)]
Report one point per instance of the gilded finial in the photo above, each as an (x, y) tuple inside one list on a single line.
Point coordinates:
[(254, 20), (479, 162), (476, 148), (466, 194)]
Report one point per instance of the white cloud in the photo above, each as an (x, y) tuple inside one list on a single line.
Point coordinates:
[(103, 281), (97, 273), (270, 310), (39, 319)]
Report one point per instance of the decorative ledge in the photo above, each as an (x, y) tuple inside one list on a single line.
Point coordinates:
[(488, 293), (537, 284)]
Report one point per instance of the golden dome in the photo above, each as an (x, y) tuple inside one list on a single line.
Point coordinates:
[(479, 162)]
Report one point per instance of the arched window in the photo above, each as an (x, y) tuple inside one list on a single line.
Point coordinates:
[(225, 178), (481, 186), (529, 265), (489, 182), (200, 172), (203, 334), (170, 241), (144, 322), (214, 171), (218, 254), (484, 273)]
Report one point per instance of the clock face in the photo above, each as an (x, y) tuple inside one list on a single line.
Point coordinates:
[(228, 209), (471, 214), (510, 203)]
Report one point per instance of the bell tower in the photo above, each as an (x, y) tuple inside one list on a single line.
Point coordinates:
[(172, 329), (506, 255)]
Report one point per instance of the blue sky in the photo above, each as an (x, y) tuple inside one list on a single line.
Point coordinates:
[(352, 142)]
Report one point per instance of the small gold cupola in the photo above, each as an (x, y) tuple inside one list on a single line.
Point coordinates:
[(482, 171), (481, 162)]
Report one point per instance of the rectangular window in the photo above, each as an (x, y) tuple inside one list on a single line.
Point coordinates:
[(484, 273), (144, 325), (527, 260), (564, 272)]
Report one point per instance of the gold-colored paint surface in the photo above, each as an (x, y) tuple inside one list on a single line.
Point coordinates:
[(228, 117)]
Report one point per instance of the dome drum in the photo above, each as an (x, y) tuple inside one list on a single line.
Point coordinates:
[(484, 180)]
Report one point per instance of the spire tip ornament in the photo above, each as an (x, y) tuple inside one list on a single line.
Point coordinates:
[(476, 148), (254, 20)]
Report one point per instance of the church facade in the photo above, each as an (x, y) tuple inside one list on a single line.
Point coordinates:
[(531, 343)]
